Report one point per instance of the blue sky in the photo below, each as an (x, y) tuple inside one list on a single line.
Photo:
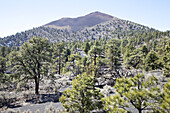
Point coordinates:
[(20, 15)]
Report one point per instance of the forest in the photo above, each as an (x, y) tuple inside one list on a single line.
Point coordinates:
[(106, 74)]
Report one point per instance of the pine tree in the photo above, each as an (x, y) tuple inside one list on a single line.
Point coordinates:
[(113, 54), (144, 50), (138, 92), (4, 51), (135, 59), (165, 101), (94, 52), (166, 60), (58, 55), (32, 61), (74, 64), (152, 61), (87, 47), (83, 97)]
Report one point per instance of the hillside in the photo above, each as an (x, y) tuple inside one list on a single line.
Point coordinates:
[(79, 23), (93, 65), (113, 28)]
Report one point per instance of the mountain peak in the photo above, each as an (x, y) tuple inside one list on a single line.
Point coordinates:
[(96, 12), (98, 25), (79, 23), (101, 14)]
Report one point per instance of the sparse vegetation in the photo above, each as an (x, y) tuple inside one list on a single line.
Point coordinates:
[(102, 65)]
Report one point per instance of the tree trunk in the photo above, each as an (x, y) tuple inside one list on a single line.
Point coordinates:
[(59, 65), (112, 64), (36, 86), (82, 102), (139, 110), (95, 59)]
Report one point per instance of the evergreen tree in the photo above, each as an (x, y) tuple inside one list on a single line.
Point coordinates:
[(4, 51), (2, 65), (94, 52), (74, 64), (32, 61), (144, 50), (113, 53), (58, 55), (152, 61), (82, 98), (87, 47), (165, 100), (137, 92), (166, 60), (135, 59)]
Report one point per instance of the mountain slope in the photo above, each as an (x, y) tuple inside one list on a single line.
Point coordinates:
[(114, 28), (77, 24)]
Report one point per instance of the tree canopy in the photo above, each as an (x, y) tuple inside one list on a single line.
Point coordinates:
[(32, 61), (82, 97), (139, 92)]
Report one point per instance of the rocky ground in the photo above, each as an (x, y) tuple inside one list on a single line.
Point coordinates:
[(52, 90), (34, 108), (25, 99)]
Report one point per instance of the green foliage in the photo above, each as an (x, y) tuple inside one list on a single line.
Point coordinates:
[(140, 46), (83, 97), (86, 47), (138, 92), (74, 64), (2, 64), (59, 56), (166, 60), (165, 106), (144, 50), (152, 61), (114, 104), (4, 51), (134, 59), (95, 51), (113, 53), (32, 61)]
